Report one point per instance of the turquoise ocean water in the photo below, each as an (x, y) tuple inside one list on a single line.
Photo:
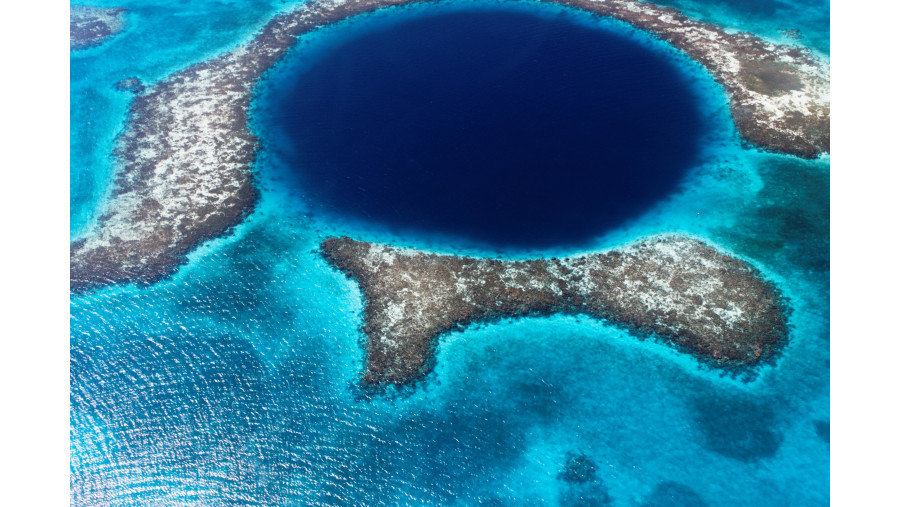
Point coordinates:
[(233, 383)]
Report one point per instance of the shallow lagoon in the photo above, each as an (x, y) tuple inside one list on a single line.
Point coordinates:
[(233, 382)]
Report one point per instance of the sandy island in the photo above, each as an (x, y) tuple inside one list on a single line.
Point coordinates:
[(680, 290), (184, 160)]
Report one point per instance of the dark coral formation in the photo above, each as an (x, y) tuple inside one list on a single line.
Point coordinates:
[(91, 26), (716, 307), (673, 494), (583, 486), (823, 431), (578, 469), (184, 171), (793, 33), (742, 429), (130, 84)]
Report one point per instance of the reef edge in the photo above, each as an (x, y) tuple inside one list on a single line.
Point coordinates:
[(718, 308)]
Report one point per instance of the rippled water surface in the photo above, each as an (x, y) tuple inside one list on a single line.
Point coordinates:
[(234, 382)]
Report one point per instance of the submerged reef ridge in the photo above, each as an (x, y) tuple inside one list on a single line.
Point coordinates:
[(716, 307), (184, 160), (130, 84), (91, 26), (578, 469)]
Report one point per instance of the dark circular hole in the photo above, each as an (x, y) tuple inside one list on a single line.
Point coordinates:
[(500, 126)]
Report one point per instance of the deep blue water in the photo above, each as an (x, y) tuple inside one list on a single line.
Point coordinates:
[(233, 383), (499, 126)]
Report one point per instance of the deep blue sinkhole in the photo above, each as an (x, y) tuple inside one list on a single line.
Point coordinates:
[(499, 126)]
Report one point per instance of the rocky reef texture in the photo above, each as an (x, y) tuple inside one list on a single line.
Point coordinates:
[(90, 26), (681, 290), (184, 160), (130, 84)]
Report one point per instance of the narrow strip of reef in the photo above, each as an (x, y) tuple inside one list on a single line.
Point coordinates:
[(681, 290), (184, 160), (91, 26)]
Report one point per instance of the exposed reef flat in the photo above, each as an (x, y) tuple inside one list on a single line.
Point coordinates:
[(184, 160), (681, 290), (90, 26)]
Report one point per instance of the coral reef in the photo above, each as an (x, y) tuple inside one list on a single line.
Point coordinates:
[(714, 306), (91, 26)]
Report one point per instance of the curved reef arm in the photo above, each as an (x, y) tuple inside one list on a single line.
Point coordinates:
[(681, 290), (184, 161)]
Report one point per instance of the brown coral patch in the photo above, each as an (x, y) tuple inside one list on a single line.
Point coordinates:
[(716, 307)]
